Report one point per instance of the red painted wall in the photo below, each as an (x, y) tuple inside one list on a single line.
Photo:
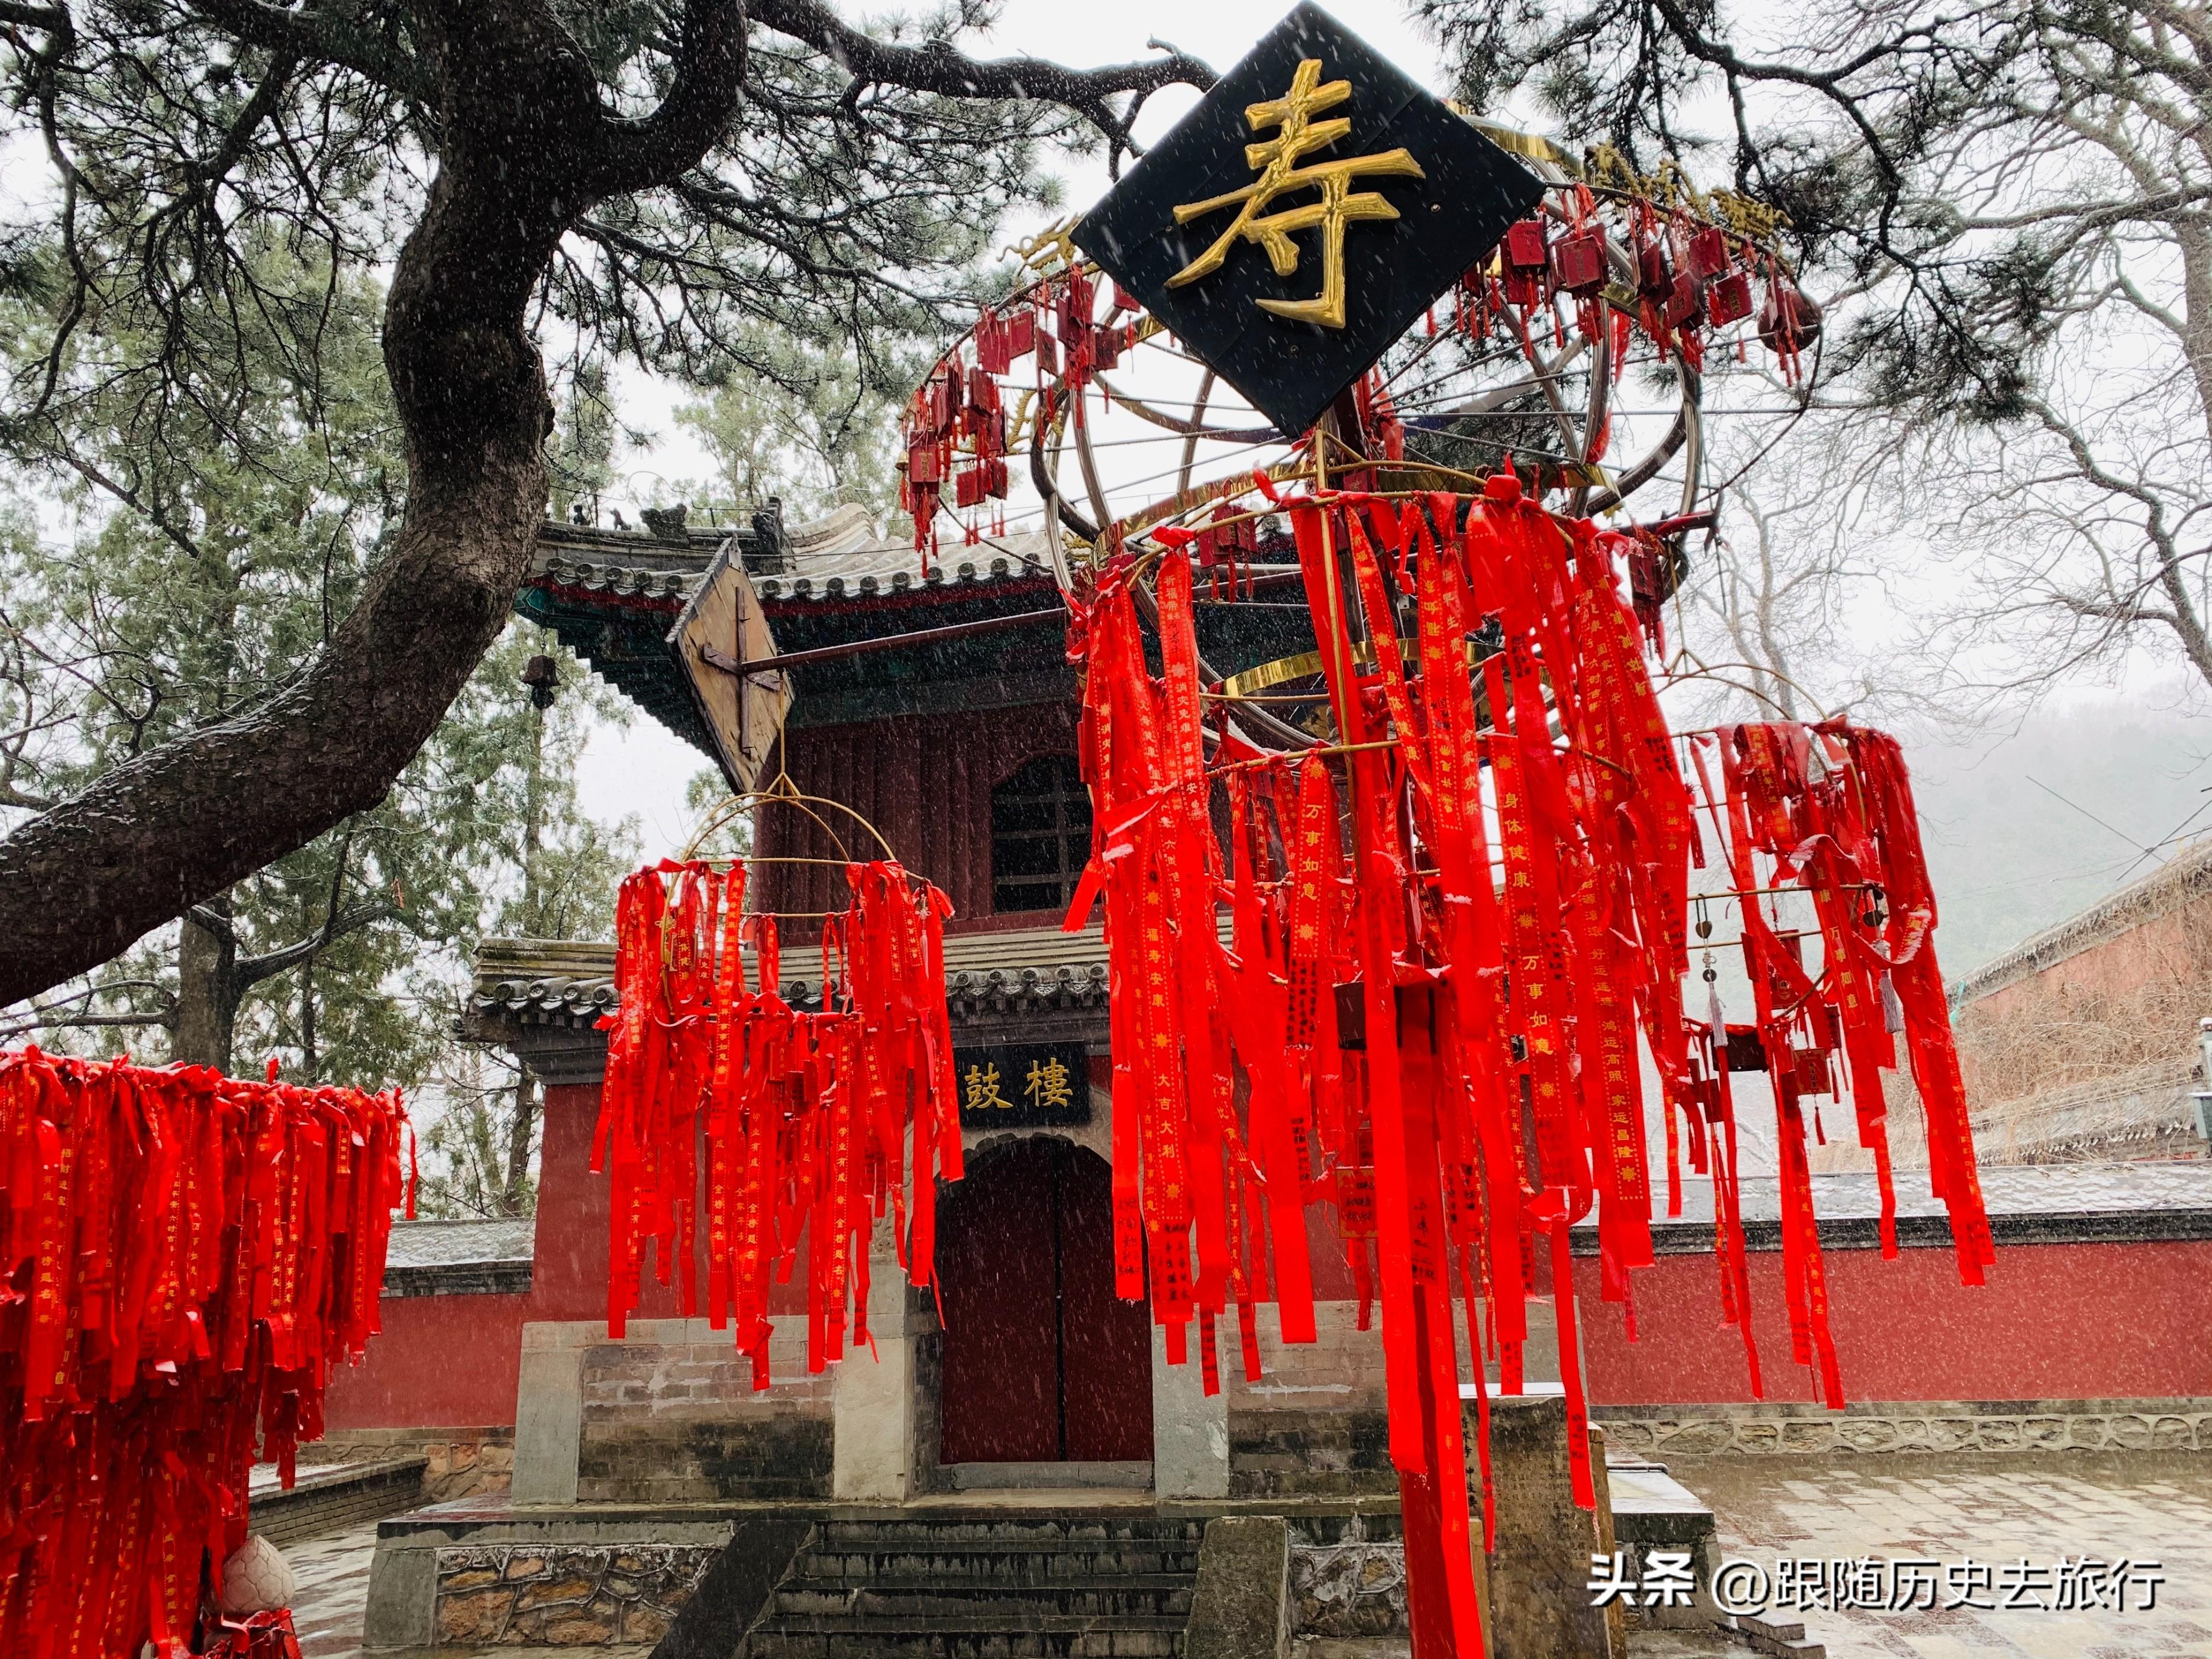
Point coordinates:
[(2054, 1321), (2057, 1321), (452, 1361), (441, 1362), (928, 792)]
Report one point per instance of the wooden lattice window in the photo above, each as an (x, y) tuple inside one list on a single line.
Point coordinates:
[(1040, 834)]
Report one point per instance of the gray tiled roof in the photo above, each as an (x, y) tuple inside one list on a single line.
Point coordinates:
[(544, 982), (2185, 876), (620, 580), (440, 1244), (460, 1258), (2008, 1189), (841, 556)]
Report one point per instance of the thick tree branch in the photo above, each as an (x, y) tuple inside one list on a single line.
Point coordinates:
[(322, 35), (211, 921), (938, 68), (710, 72), (252, 970), (268, 96)]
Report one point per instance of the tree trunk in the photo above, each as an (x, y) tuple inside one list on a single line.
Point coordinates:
[(79, 884), (518, 1144), (310, 1060), (533, 829), (207, 992)]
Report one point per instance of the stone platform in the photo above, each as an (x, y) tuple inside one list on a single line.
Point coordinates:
[(489, 1572), (327, 1497)]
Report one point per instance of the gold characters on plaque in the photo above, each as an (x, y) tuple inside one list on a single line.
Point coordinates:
[(1277, 161), (1047, 1085), (982, 1089)]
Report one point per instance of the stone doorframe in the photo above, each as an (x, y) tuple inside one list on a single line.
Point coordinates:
[(886, 1412), (884, 1409)]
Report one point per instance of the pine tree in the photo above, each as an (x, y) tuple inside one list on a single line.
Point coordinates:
[(199, 574)]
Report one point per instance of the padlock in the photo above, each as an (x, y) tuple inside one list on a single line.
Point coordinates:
[(1525, 248), (1709, 252), (1727, 299), (1682, 302), (1578, 261), (1812, 1071)]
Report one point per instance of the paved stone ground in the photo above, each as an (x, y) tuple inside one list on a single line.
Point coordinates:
[(1995, 1508), (1998, 1509), (333, 1590)]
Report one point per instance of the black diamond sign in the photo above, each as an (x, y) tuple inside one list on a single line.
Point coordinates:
[(1299, 219)]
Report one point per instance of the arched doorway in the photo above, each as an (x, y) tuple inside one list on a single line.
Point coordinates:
[(1042, 1362)]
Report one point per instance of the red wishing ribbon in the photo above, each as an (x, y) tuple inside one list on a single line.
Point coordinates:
[(802, 1119), (183, 1256), (1429, 1016)]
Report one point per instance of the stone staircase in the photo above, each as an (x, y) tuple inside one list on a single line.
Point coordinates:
[(1048, 1587)]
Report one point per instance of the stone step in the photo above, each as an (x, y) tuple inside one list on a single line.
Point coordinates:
[(1001, 1589), (1006, 1534), (1114, 1578), (1032, 1637), (994, 1566), (1108, 1598), (1785, 1638)]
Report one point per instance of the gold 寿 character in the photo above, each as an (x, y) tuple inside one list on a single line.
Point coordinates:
[(1048, 1084), (1298, 136)]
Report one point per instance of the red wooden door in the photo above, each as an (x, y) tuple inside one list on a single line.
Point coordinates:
[(1042, 1362)]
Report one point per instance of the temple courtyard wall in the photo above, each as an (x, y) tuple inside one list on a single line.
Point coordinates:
[(2088, 1333)]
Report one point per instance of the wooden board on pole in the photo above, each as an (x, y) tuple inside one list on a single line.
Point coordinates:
[(721, 628)]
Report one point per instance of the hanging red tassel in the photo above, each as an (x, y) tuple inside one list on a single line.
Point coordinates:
[(804, 1119), (1448, 1026), (198, 1252)]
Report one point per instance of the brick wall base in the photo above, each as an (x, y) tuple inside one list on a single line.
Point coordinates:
[(670, 1416), (1878, 1428), (1310, 1453), (777, 1454), (460, 1462), (333, 1497)]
